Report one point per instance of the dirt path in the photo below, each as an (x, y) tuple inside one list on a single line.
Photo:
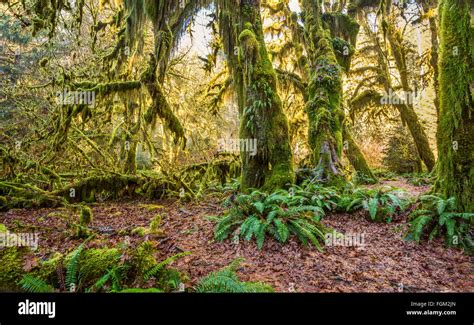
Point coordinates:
[(403, 184), (385, 264)]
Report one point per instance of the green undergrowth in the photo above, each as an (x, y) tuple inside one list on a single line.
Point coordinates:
[(437, 217), (380, 204), (281, 214), (298, 211), (104, 270), (226, 280)]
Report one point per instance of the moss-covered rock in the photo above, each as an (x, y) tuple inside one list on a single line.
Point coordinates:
[(94, 263), (141, 259), (11, 264), (86, 215), (154, 228), (139, 231), (11, 267), (47, 270)]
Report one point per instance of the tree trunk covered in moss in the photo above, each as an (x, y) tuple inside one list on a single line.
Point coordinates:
[(356, 157), (407, 112), (344, 31), (455, 168), (324, 105), (427, 6), (255, 81)]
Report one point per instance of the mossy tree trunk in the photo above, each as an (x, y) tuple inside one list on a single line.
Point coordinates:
[(356, 157), (262, 117), (344, 31), (455, 168), (407, 111), (427, 6), (324, 105)]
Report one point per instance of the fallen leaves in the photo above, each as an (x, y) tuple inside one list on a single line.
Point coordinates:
[(386, 263)]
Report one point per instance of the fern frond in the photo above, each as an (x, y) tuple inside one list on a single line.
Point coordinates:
[(35, 285), (281, 230), (73, 265), (158, 267)]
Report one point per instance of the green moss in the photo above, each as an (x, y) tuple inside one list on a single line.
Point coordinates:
[(11, 267), (155, 225), (95, 262), (160, 107), (141, 259), (48, 270), (324, 103), (455, 166), (86, 215), (262, 117), (139, 231)]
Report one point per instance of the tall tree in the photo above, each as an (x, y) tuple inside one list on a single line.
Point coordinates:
[(255, 83), (324, 105), (455, 169)]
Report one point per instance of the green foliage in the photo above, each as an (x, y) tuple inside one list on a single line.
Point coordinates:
[(11, 262), (226, 280), (72, 267), (85, 218), (35, 285), (107, 270), (86, 215), (140, 290), (438, 217), (401, 155), (297, 211), (156, 269), (421, 179), (381, 204)]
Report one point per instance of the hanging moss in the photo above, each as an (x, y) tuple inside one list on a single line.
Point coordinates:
[(341, 25), (107, 88), (160, 106)]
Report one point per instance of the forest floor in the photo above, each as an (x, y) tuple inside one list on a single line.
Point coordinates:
[(386, 263)]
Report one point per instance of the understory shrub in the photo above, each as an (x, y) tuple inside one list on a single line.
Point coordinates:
[(281, 214), (381, 204), (437, 217), (226, 280)]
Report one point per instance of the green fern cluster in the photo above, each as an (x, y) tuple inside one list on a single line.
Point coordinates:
[(381, 203), (438, 217), (120, 272), (226, 280), (297, 211)]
